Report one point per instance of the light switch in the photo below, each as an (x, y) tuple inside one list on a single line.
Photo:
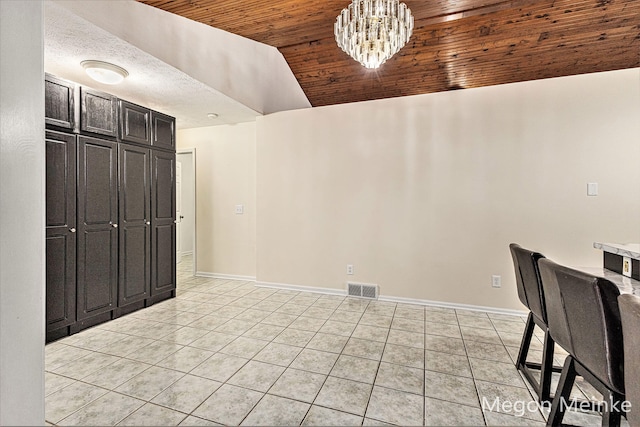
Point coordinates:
[(239, 209), (592, 189)]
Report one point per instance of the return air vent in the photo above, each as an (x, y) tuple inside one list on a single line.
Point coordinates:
[(362, 290)]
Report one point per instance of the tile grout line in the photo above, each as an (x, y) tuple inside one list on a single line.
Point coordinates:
[(464, 343)]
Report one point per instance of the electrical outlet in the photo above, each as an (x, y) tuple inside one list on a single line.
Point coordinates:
[(626, 266), (496, 281), (350, 269), (239, 209)]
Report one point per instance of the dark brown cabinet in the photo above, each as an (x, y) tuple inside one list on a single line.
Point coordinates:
[(97, 226), (110, 198), (59, 102), (134, 224), (98, 112), (163, 215), (60, 229), (163, 131), (134, 123)]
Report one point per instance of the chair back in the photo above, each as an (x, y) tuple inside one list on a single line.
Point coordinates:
[(630, 315), (584, 318), (530, 292)]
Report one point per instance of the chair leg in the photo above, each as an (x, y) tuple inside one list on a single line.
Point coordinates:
[(542, 383), (547, 368), (563, 393), (612, 418), (526, 342)]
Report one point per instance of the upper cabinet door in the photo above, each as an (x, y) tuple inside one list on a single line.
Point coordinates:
[(98, 112), (163, 131), (59, 102), (134, 123)]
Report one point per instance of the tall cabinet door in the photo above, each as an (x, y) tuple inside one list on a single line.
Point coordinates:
[(60, 230), (163, 211), (134, 224), (97, 226)]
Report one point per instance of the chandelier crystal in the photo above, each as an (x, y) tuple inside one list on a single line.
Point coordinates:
[(372, 31)]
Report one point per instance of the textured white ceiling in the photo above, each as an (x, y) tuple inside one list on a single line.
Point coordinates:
[(136, 35)]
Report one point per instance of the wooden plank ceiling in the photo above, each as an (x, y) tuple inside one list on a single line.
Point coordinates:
[(456, 44)]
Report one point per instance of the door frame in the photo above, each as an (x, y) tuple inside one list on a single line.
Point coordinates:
[(192, 151), (179, 217)]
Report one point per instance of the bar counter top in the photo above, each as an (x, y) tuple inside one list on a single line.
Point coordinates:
[(631, 250), (627, 285)]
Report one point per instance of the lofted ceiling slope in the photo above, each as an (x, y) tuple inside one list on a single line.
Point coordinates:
[(456, 44)]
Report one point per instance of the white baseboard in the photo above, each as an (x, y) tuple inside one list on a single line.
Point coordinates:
[(343, 292), (453, 305), (326, 291), (225, 276)]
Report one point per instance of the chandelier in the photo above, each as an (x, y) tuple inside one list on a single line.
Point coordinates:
[(372, 31)]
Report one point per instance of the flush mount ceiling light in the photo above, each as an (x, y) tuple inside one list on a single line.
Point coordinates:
[(104, 72), (372, 31)]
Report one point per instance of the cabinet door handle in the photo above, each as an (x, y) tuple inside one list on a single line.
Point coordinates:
[(72, 230), (114, 225), (148, 222)]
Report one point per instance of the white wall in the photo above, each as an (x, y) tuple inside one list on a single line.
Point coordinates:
[(22, 213), (423, 194), (187, 226), (225, 177)]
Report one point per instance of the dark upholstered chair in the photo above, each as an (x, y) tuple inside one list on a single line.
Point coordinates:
[(525, 263), (630, 314), (584, 318)]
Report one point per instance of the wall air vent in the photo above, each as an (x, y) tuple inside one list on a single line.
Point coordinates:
[(362, 290)]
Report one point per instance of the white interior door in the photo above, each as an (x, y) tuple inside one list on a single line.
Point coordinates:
[(178, 210)]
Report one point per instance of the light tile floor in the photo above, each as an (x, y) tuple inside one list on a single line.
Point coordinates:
[(227, 352)]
